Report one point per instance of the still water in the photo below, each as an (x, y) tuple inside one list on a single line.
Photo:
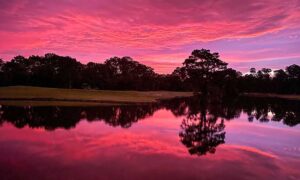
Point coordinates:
[(244, 138)]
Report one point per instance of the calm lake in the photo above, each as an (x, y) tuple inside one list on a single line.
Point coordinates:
[(182, 138)]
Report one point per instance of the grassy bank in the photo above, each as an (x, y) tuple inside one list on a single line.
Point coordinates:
[(270, 95), (24, 95)]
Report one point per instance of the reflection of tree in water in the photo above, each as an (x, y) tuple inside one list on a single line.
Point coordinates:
[(123, 116), (51, 118), (267, 109), (201, 135), (203, 125), (202, 128)]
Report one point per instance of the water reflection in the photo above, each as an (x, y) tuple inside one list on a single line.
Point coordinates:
[(203, 119), (203, 127), (51, 118)]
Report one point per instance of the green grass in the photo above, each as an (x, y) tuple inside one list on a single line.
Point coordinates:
[(23, 95)]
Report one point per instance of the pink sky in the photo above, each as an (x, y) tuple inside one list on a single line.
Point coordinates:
[(159, 33)]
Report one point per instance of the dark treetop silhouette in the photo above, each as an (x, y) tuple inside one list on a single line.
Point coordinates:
[(202, 71)]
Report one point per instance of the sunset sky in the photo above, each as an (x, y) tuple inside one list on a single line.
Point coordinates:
[(158, 33)]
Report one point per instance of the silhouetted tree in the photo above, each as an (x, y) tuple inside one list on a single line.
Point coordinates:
[(96, 76), (16, 71), (129, 74), (201, 66), (283, 81), (293, 71), (226, 82), (67, 70), (253, 71)]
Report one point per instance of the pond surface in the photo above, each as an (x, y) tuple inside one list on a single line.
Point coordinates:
[(183, 138)]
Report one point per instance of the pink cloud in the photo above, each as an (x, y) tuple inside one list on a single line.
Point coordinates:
[(138, 28)]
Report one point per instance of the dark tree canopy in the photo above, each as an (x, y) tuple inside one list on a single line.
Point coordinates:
[(204, 62), (293, 71), (200, 68), (203, 71), (281, 81)]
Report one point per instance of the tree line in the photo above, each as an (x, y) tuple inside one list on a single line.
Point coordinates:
[(202, 71)]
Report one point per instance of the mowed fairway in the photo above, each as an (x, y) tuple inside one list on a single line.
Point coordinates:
[(22, 95)]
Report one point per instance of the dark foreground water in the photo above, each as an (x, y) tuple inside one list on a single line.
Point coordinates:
[(197, 138)]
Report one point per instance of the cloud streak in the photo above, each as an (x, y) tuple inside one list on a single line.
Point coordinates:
[(143, 28)]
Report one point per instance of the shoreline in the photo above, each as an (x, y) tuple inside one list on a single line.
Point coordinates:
[(295, 97)]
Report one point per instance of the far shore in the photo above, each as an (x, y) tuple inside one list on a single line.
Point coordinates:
[(40, 96), (272, 95)]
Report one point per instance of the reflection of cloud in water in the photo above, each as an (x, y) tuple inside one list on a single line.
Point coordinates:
[(202, 129), (131, 155)]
